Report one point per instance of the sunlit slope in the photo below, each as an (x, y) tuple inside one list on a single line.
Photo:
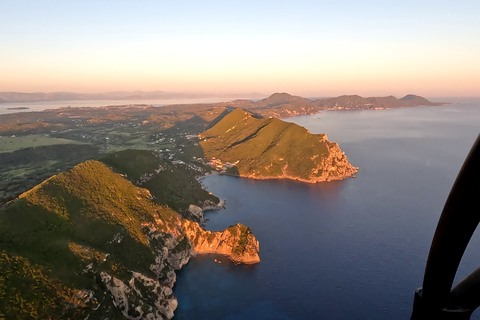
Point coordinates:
[(88, 243), (91, 191), (272, 148), (83, 230)]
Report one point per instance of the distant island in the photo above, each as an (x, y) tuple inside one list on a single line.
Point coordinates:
[(18, 108), (273, 149)]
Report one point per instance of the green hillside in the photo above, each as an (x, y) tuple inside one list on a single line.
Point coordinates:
[(64, 233), (272, 148), (87, 243), (174, 185)]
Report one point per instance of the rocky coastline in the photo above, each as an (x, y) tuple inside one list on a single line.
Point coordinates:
[(245, 146), (127, 266)]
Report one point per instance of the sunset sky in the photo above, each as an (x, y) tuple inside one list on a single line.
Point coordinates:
[(309, 48)]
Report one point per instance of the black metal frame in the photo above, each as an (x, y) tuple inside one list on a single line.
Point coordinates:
[(460, 217)]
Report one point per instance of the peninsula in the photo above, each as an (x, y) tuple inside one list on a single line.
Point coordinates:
[(273, 149)]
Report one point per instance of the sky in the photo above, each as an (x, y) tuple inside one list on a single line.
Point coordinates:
[(309, 48)]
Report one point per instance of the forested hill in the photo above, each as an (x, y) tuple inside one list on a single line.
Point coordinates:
[(273, 149)]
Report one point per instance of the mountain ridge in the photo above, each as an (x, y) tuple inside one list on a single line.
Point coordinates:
[(284, 105)]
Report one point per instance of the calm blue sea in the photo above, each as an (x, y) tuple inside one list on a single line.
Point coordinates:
[(352, 249)]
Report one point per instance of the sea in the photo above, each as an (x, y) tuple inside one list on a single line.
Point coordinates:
[(350, 249), (6, 108)]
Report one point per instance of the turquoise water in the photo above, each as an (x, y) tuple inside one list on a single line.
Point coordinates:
[(352, 249)]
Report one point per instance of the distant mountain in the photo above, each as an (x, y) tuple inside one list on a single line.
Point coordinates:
[(412, 100), (357, 102), (280, 99), (278, 105), (273, 149), (284, 105)]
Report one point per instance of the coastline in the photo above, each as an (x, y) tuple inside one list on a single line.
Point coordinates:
[(282, 177)]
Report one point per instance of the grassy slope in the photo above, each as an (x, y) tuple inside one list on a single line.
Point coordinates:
[(264, 146), (68, 222)]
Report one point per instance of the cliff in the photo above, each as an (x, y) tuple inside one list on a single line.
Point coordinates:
[(90, 235), (273, 149), (237, 242)]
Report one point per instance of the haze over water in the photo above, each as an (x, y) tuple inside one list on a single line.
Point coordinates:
[(353, 249), (45, 105)]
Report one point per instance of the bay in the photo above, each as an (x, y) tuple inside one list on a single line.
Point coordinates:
[(351, 249)]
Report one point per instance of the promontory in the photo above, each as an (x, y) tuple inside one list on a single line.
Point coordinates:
[(258, 148)]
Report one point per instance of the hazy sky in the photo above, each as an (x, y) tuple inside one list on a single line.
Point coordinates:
[(309, 48)]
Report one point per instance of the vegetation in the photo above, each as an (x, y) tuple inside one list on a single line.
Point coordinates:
[(174, 185), (28, 292), (10, 144), (59, 238), (243, 232), (36, 145), (264, 147), (23, 169), (88, 218)]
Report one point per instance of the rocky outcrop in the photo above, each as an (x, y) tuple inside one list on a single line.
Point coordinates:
[(237, 242), (333, 166), (141, 297), (195, 213), (210, 205)]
